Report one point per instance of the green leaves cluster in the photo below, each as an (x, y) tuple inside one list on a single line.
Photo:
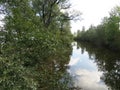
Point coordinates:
[(34, 47)]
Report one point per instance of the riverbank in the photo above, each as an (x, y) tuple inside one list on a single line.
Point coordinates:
[(99, 45)]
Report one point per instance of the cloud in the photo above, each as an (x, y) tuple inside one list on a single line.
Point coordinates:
[(89, 80)]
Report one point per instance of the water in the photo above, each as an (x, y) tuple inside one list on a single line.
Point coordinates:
[(94, 68)]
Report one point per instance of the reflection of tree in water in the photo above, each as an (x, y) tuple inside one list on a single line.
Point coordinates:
[(107, 61)]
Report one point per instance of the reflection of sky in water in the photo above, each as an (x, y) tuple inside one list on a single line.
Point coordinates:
[(85, 71)]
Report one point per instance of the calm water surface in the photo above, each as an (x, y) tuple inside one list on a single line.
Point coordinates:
[(94, 68)]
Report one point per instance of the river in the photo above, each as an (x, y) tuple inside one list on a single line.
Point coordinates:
[(94, 68)]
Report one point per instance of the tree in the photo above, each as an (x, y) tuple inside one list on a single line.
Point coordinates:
[(30, 47)]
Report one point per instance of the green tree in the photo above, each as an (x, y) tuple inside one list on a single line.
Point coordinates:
[(29, 44)]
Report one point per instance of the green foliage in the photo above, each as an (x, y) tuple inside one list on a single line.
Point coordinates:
[(107, 34), (34, 49)]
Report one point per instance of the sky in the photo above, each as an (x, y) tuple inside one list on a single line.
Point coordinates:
[(92, 12)]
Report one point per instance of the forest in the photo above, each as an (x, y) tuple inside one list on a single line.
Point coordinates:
[(106, 34)]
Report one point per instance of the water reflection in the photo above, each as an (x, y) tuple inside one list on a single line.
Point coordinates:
[(95, 68)]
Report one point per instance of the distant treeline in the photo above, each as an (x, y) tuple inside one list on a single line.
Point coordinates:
[(106, 34)]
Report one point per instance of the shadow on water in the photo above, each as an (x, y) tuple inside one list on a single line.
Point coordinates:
[(107, 62)]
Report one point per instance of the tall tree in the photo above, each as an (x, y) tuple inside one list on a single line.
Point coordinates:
[(29, 44)]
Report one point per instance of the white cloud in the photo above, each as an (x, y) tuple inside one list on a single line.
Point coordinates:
[(89, 80)]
